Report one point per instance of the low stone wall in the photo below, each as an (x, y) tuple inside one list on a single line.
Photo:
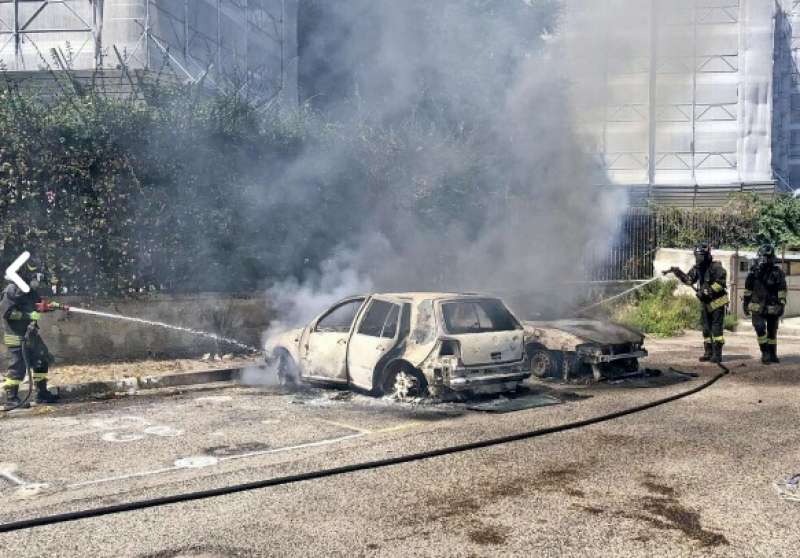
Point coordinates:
[(77, 338)]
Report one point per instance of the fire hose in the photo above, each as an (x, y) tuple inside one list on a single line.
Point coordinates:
[(682, 276), (345, 469), (31, 332)]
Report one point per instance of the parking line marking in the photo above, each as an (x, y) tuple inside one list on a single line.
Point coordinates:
[(404, 426), (347, 426), (125, 477), (142, 474), (289, 448)]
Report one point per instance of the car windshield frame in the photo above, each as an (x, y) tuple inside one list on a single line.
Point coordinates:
[(446, 320)]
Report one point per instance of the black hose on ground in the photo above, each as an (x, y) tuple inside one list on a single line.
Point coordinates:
[(324, 473)]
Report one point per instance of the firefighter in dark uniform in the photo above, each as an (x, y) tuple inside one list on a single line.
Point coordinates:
[(711, 279), (765, 299), (20, 312)]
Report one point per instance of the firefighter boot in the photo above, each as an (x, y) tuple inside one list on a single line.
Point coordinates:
[(708, 353), (12, 400), (44, 397), (765, 353), (716, 356), (773, 353)]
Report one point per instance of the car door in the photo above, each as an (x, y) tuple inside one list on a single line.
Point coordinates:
[(324, 350), (375, 335)]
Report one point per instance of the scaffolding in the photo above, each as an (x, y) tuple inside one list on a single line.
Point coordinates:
[(685, 108), (247, 44)]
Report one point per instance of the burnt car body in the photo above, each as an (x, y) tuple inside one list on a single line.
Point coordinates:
[(410, 344), (569, 348), (415, 344)]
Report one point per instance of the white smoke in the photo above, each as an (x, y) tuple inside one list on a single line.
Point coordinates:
[(295, 303), (527, 204)]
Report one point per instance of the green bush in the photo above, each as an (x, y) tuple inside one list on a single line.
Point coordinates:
[(190, 192), (657, 310), (731, 322)]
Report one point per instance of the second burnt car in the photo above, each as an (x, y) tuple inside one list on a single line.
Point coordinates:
[(573, 348), (440, 344)]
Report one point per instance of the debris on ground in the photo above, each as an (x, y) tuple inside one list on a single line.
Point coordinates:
[(653, 378), (512, 404), (789, 488)]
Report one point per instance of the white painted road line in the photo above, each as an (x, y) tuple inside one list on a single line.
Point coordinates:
[(297, 447), (142, 474)]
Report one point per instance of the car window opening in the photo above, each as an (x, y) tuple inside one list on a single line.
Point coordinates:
[(380, 320), (340, 319), (477, 316)]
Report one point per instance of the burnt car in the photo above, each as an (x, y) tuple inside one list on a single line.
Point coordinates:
[(408, 345), (567, 349), (439, 344)]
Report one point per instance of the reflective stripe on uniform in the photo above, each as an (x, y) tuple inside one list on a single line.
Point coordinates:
[(718, 303), (772, 342), (720, 340), (716, 287), (15, 315), (10, 382), (12, 340), (748, 293), (38, 376), (707, 340), (763, 339), (754, 307)]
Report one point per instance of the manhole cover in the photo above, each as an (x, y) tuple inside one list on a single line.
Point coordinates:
[(196, 462)]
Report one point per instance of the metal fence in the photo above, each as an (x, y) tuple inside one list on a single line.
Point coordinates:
[(641, 232)]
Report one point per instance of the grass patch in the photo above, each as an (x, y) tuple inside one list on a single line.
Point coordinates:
[(731, 322), (657, 310)]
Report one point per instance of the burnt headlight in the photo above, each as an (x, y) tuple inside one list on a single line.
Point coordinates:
[(589, 350)]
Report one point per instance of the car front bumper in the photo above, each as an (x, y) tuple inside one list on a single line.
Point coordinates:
[(594, 358)]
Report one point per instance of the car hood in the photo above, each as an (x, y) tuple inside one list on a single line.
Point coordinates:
[(591, 331)]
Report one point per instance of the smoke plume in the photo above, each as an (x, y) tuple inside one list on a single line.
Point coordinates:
[(492, 180)]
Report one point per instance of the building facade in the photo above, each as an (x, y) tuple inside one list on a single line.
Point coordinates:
[(247, 44), (698, 98)]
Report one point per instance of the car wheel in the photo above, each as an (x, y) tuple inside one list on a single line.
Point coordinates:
[(544, 363), (405, 383), (286, 369)]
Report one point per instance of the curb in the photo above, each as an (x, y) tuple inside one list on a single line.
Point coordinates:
[(99, 390)]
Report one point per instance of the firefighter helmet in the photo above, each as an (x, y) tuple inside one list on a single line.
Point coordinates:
[(702, 253), (766, 254)]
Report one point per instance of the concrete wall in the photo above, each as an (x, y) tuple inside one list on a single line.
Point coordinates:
[(76, 338), (737, 266)]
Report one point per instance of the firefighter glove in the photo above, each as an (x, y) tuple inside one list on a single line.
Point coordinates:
[(35, 316)]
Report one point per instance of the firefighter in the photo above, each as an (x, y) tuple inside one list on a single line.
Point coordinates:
[(21, 312), (711, 279), (765, 300)]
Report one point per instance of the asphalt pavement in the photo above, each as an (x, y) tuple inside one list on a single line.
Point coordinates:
[(691, 478)]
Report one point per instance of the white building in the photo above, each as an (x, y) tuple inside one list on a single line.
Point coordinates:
[(243, 43), (698, 97)]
